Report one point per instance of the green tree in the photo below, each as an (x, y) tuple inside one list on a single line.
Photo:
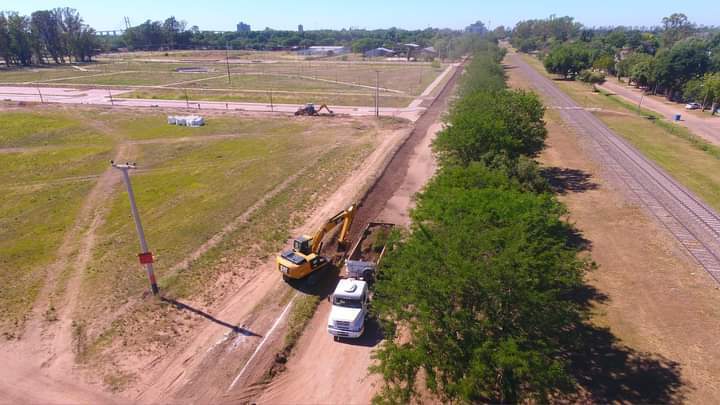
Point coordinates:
[(686, 60), (46, 27), (5, 52), (478, 290), (483, 124), (567, 60), (19, 39), (675, 28), (604, 62)]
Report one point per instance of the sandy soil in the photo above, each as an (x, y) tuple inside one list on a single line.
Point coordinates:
[(657, 303), (704, 126)]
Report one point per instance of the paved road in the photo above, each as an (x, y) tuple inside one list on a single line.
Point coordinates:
[(706, 127), (695, 225)]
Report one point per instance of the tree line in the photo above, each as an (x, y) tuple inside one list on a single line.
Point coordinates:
[(58, 35), (677, 59), (475, 299), (174, 34)]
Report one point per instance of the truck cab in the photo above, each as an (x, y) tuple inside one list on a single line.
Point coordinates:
[(349, 309)]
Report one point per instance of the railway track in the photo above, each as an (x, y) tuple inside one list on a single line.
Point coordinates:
[(695, 225)]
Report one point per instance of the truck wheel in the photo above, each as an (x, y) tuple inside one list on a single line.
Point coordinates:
[(286, 278), (368, 276), (336, 338)]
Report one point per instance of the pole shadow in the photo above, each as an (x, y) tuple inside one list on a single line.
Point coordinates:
[(184, 307)]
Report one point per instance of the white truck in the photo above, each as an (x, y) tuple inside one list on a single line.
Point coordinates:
[(351, 298)]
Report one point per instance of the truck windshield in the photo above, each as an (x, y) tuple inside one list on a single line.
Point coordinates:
[(347, 302)]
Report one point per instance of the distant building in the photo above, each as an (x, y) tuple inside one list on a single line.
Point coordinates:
[(242, 27), (477, 28), (300, 28), (324, 50), (379, 52)]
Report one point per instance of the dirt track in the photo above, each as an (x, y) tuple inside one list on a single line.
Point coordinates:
[(322, 370)]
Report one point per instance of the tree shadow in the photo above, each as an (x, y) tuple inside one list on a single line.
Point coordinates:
[(372, 336), (564, 180), (608, 371), (185, 307)]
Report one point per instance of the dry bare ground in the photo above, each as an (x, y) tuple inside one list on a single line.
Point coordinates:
[(655, 309)]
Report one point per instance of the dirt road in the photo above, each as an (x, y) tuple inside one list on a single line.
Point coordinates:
[(322, 370), (706, 127)]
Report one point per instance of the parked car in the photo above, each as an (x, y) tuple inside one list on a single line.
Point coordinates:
[(692, 106)]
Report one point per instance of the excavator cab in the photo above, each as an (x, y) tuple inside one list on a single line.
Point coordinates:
[(302, 244)]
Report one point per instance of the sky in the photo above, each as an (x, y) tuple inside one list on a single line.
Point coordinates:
[(223, 15)]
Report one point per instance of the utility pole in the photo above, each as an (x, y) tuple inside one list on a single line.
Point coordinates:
[(112, 103), (377, 93), (642, 95), (272, 108), (227, 59), (145, 256), (40, 94), (187, 101)]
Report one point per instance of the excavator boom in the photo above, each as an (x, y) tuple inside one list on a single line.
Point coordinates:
[(345, 217)]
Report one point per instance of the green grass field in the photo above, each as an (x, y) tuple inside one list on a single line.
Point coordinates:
[(688, 158), (187, 191)]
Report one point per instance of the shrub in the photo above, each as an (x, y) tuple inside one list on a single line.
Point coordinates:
[(590, 76)]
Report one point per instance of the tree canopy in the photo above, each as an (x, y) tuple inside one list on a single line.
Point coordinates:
[(57, 34), (474, 299)]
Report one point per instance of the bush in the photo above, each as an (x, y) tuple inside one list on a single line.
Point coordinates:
[(590, 76)]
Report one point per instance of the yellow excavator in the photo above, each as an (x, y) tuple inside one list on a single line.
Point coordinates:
[(305, 258)]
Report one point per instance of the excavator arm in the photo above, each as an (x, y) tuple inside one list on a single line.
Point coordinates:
[(345, 218), (326, 108)]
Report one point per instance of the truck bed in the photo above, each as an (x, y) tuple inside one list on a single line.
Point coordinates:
[(371, 243)]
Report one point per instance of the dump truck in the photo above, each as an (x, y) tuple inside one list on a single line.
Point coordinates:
[(305, 256), (351, 298)]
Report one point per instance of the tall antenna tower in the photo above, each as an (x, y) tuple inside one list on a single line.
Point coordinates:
[(127, 22)]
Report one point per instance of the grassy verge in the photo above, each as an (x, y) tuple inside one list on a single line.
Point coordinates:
[(674, 129), (686, 157)]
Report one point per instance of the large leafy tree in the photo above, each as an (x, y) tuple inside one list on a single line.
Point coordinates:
[(686, 60), (676, 27), (489, 123), (46, 26), (567, 60), (477, 292)]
